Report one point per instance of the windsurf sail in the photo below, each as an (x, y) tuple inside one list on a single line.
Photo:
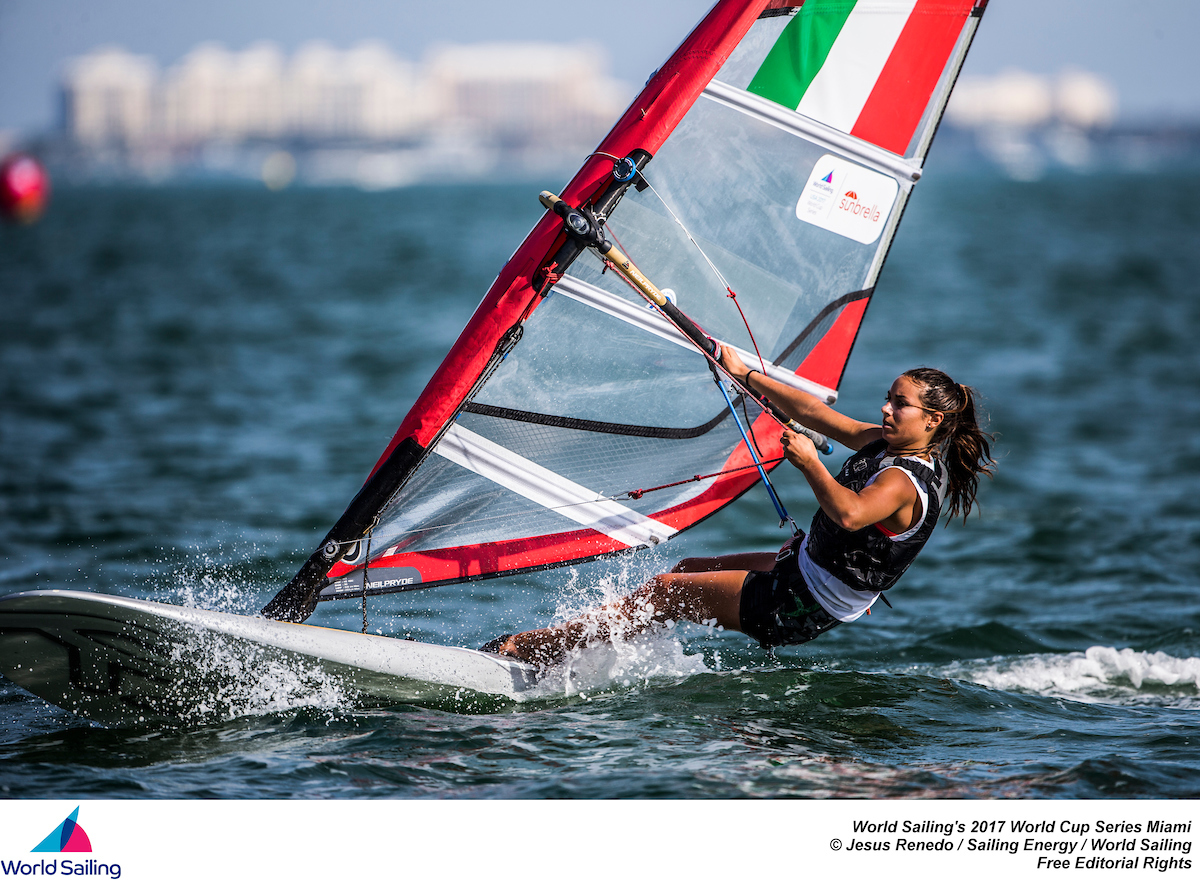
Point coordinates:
[(760, 176)]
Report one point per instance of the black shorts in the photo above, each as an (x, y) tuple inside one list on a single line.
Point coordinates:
[(777, 607)]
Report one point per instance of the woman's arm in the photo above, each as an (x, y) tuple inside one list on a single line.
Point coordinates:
[(891, 500), (802, 406)]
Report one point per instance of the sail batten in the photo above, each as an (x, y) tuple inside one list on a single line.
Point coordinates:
[(549, 489), (905, 170), (774, 153), (652, 321)]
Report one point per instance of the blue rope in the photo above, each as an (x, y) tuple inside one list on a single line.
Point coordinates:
[(783, 514)]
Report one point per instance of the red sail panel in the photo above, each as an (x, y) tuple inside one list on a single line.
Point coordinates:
[(827, 360), (911, 73), (465, 562)]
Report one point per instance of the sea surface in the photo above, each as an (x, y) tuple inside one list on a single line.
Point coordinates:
[(194, 381)]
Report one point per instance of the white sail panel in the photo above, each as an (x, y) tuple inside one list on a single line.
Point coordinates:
[(841, 88), (550, 490)]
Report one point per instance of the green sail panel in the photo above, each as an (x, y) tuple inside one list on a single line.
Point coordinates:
[(800, 52)]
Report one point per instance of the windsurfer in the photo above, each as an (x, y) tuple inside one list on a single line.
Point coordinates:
[(874, 518)]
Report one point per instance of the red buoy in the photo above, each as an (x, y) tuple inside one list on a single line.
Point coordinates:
[(24, 188)]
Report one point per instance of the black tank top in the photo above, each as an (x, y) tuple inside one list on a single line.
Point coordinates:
[(868, 559)]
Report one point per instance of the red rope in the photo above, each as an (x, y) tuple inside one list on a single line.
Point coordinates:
[(731, 295), (549, 276), (635, 494), (753, 341), (613, 232)]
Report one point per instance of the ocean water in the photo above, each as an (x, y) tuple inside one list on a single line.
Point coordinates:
[(195, 381)]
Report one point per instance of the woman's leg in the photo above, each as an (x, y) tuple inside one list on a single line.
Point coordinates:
[(731, 562), (699, 596)]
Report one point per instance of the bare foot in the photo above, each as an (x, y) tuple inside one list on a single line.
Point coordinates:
[(517, 647), (541, 647)]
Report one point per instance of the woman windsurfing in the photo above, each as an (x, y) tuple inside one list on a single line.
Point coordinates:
[(874, 518)]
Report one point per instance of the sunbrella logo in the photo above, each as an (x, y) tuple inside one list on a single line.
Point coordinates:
[(851, 203), (862, 208), (67, 837)]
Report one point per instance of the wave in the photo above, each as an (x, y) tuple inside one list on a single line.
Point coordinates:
[(1098, 675)]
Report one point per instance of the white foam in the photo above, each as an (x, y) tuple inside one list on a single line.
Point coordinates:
[(231, 679), (1098, 675), (615, 655), (620, 664), (206, 582)]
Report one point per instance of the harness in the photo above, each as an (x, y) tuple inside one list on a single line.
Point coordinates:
[(869, 559)]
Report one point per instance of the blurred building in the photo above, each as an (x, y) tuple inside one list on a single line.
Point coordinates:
[(109, 98), (1017, 99), (466, 109), (524, 93), (1027, 123)]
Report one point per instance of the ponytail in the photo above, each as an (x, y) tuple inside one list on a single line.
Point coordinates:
[(964, 448)]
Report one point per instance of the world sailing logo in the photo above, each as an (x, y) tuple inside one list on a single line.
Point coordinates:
[(824, 184), (69, 836)]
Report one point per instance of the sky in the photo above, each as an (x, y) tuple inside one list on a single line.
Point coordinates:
[(1146, 49)]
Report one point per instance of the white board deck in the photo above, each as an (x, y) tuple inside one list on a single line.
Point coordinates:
[(118, 660)]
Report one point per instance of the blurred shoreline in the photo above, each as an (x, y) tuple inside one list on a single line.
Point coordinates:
[(365, 117), (1018, 154)]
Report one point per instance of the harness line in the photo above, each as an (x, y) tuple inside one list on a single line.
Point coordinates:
[(762, 472)]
